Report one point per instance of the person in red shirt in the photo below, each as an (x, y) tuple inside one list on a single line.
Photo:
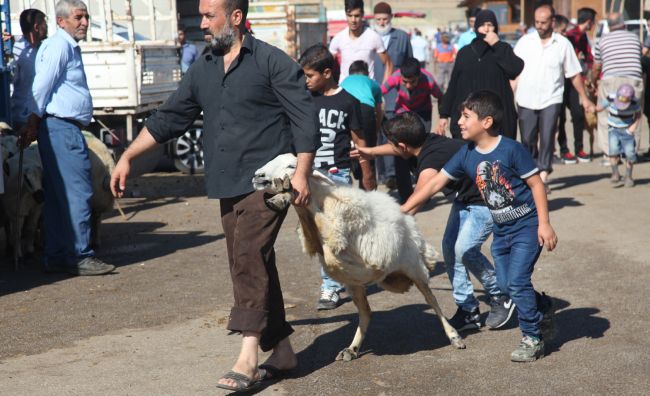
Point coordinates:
[(578, 37)]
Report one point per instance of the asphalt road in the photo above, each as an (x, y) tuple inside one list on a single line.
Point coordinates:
[(156, 326)]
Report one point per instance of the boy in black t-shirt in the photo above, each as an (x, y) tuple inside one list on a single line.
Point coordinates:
[(469, 224), (339, 118)]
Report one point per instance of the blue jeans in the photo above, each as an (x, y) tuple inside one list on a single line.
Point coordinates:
[(515, 256), (340, 176), (68, 189), (621, 142), (467, 228)]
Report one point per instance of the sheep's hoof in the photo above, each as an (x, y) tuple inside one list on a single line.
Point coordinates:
[(279, 202), (347, 354), (457, 342)]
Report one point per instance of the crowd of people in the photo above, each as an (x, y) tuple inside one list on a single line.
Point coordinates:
[(367, 117)]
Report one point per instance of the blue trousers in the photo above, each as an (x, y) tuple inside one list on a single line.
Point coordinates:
[(68, 189), (467, 228), (515, 256)]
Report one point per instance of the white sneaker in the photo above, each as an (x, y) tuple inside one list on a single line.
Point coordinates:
[(329, 299)]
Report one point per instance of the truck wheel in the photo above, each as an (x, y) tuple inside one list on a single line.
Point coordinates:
[(188, 151)]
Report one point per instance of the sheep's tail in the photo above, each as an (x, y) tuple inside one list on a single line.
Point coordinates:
[(431, 256)]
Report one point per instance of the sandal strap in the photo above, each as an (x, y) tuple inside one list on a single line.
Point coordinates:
[(242, 380)]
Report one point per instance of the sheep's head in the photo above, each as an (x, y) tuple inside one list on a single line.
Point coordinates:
[(275, 176), (8, 146)]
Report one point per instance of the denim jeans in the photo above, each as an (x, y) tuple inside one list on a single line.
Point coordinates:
[(515, 256), (467, 228), (621, 142), (68, 189), (340, 176)]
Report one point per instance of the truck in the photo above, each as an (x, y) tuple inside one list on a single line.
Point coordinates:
[(131, 61)]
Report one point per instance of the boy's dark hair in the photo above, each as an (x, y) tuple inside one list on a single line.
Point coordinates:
[(358, 67), (410, 68), (318, 58), (586, 14), (485, 104), (232, 5), (561, 20), (353, 5), (406, 128), (29, 18)]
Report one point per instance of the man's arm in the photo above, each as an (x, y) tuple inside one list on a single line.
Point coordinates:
[(579, 85), (425, 191), (545, 233), (144, 142), (300, 179), (388, 65), (370, 153)]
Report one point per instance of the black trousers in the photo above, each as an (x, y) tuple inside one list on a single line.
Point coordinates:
[(572, 101)]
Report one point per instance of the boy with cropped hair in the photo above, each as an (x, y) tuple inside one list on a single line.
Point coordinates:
[(507, 177), (339, 119), (469, 224)]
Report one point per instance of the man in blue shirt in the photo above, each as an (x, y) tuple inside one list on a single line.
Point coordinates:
[(61, 106), (189, 53), (34, 27), (469, 35)]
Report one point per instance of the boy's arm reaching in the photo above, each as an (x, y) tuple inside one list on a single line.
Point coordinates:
[(370, 153), (423, 192), (545, 233), (425, 177)]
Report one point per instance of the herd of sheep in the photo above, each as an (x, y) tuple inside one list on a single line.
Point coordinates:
[(32, 196)]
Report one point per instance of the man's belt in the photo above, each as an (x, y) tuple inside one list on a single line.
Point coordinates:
[(68, 120)]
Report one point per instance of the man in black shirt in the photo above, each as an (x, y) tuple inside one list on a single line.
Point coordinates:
[(469, 224), (255, 107)]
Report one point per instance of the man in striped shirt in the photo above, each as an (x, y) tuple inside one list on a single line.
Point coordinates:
[(618, 55)]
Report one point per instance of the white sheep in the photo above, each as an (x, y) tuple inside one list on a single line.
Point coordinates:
[(361, 238)]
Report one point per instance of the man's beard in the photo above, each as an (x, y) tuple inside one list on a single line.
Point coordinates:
[(223, 40), (382, 31)]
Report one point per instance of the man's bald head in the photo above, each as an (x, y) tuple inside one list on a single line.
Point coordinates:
[(615, 21)]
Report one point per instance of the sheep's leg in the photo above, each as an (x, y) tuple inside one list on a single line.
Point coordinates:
[(451, 333), (361, 301)]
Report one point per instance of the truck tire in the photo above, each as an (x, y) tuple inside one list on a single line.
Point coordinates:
[(188, 150)]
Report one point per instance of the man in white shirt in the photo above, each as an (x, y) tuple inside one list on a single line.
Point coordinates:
[(549, 58), (358, 42), (420, 47)]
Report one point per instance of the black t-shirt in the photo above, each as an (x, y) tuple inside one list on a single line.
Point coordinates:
[(338, 115), (435, 153)]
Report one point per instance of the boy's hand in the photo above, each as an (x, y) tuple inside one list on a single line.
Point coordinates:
[(629, 132), (369, 183), (546, 236), (362, 153), (491, 38)]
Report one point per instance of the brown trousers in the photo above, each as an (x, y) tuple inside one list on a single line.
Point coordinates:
[(251, 229)]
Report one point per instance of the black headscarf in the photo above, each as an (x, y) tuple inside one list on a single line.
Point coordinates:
[(481, 18)]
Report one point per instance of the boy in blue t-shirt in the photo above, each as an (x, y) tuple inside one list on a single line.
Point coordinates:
[(623, 119), (507, 177)]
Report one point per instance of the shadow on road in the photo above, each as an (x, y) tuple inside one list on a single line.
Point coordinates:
[(122, 244), (575, 323), (570, 181), (559, 203), (417, 329)]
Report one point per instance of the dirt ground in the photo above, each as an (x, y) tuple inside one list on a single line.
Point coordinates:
[(156, 326)]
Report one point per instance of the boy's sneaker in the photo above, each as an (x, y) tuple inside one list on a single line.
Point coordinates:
[(329, 299), (629, 182), (463, 320), (530, 349), (583, 157), (569, 158), (547, 327), (501, 309)]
